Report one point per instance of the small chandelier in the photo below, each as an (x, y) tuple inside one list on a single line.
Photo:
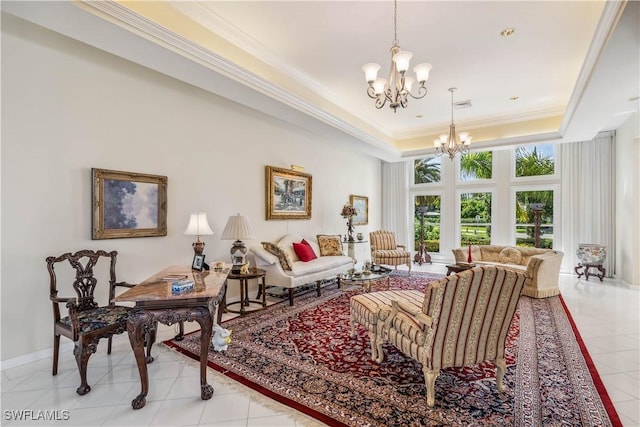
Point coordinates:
[(398, 87), (449, 143)]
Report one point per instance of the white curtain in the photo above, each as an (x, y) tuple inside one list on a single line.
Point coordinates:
[(395, 200), (588, 197)]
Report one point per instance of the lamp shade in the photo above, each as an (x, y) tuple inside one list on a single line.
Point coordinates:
[(198, 225), (237, 228)]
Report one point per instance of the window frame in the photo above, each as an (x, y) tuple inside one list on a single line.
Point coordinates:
[(475, 182), (425, 184), (556, 166), (556, 208), (412, 197), (458, 226)]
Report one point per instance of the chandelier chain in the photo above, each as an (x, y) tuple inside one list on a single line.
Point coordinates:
[(395, 23)]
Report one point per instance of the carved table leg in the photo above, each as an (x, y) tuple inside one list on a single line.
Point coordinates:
[(579, 270), (180, 335), (203, 317), (138, 325)]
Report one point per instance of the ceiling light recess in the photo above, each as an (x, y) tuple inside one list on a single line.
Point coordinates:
[(397, 88)]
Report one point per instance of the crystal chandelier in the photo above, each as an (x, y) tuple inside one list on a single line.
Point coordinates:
[(398, 87), (449, 143)]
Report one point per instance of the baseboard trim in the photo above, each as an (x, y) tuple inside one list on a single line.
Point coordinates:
[(33, 357)]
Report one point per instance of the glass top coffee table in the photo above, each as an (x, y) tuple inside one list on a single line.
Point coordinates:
[(364, 279)]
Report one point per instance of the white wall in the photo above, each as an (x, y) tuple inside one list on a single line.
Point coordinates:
[(628, 201), (67, 107)]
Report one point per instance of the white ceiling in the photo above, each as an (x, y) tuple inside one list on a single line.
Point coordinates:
[(566, 59)]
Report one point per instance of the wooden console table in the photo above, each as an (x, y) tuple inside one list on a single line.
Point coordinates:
[(155, 302), (457, 268)]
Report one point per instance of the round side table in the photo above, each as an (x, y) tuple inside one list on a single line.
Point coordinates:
[(243, 279)]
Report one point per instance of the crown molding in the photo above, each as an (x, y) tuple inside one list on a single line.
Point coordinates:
[(469, 125), (610, 16), (158, 34), (208, 19), (503, 143)]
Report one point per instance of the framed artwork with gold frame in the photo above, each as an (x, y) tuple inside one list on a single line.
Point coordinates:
[(128, 204), (361, 205), (288, 194)]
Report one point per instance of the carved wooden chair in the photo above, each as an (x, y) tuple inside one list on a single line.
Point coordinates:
[(86, 321), (385, 250), (463, 320)]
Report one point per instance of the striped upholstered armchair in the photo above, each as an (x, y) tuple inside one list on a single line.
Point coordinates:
[(384, 249), (463, 320)]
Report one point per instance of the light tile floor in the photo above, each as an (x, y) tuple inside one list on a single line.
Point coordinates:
[(607, 315)]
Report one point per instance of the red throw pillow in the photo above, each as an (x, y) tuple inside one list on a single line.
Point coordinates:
[(304, 252), (304, 242)]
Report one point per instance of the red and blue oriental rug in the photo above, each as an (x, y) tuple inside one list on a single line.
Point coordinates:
[(303, 356)]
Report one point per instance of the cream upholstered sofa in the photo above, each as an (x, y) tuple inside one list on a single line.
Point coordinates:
[(541, 267), (285, 268)]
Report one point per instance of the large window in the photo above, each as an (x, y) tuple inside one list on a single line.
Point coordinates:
[(476, 166), (427, 170), (426, 222), (535, 160), (534, 218), (475, 218)]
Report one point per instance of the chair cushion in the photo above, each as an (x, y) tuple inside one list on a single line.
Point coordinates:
[(368, 309), (392, 255), (100, 317), (304, 251), (408, 326), (330, 245)]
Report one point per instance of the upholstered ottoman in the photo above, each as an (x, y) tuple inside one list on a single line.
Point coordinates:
[(371, 310)]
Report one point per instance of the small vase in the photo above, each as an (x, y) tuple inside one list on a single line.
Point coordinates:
[(469, 255), (359, 236)]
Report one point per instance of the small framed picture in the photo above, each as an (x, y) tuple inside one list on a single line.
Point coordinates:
[(198, 262)]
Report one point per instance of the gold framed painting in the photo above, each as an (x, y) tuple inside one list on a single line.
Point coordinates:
[(288, 194), (128, 204), (361, 205)]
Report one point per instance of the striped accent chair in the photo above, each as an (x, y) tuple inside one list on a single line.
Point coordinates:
[(463, 321), (385, 250)]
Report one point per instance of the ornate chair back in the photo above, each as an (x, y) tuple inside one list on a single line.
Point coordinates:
[(86, 321)]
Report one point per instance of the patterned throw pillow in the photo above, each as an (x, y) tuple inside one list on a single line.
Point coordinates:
[(510, 256), (283, 256), (330, 245)]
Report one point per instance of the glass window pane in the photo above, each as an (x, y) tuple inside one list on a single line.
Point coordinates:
[(427, 209), (427, 170), (475, 218), (535, 160), (534, 218), (476, 166)]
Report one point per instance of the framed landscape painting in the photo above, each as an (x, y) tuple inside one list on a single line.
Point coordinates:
[(127, 204), (361, 205), (288, 194)]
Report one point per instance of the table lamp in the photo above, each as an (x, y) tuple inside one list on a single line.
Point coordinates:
[(237, 228), (198, 226)]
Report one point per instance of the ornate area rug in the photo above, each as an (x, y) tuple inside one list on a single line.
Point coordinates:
[(303, 356)]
